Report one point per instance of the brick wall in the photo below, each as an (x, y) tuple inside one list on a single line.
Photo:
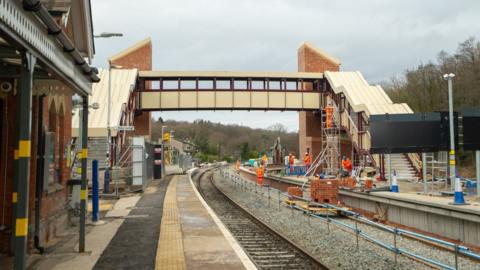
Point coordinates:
[(312, 60), (54, 210), (138, 56), (54, 202)]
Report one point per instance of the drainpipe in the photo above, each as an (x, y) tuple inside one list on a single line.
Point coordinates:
[(40, 174)]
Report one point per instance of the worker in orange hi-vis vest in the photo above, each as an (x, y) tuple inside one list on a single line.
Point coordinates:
[(346, 166), (307, 159), (291, 161), (237, 165), (260, 175), (329, 116)]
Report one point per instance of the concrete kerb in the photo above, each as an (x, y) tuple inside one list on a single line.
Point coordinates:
[(230, 238)]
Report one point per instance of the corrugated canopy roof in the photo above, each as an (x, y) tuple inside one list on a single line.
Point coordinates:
[(362, 96), (123, 83)]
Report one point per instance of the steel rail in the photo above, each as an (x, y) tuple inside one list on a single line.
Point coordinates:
[(267, 230)]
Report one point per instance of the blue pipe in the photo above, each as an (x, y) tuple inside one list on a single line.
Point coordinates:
[(425, 259), (95, 200), (439, 241)]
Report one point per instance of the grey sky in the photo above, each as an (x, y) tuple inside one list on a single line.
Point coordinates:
[(379, 38)]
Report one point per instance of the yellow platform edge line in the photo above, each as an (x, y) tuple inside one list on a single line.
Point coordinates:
[(170, 253)]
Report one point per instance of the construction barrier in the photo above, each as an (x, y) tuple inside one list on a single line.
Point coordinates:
[(295, 170)]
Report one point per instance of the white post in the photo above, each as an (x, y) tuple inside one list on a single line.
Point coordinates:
[(424, 172), (138, 144), (477, 161), (449, 78)]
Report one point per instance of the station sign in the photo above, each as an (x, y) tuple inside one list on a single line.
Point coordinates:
[(125, 128), (166, 136)]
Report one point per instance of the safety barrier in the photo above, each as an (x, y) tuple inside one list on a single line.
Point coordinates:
[(455, 248), (295, 170)]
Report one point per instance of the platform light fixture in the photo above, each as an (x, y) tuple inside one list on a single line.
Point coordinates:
[(108, 35)]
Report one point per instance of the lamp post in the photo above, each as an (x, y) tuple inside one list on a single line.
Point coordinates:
[(449, 77), (163, 151), (82, 104)]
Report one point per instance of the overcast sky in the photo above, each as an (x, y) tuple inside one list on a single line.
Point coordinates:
[(380, 38)]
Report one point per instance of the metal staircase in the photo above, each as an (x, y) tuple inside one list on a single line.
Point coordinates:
[(402, 167), (97, 149)]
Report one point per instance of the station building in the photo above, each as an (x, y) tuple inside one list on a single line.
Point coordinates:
[(45, 51)]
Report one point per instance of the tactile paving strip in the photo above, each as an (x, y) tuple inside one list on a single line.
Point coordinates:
[(170, 253)]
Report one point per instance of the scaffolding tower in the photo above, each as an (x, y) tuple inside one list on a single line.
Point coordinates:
[(328, 160), (331, 140)]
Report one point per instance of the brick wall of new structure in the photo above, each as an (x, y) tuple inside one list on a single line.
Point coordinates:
[(54, 208), (141, 59), (310, 128)]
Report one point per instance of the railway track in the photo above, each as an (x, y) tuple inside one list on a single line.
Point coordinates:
[(267, 248)]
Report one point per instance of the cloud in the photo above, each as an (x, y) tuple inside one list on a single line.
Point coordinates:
[(379, 38)]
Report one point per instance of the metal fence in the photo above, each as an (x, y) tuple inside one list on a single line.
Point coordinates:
[(457, 249), (185, 161), (134, 167)]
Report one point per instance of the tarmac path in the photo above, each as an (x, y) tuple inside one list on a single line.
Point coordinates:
[(135, 244)]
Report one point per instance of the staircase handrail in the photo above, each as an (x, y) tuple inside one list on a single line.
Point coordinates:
[(125, 156), (416, 161), (352, 129)]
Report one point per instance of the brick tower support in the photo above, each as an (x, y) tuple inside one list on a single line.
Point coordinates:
[(138, 56), (311, 59)]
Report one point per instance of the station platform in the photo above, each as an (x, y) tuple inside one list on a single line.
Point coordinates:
[(432, 215), (443, 202), (192, 236)]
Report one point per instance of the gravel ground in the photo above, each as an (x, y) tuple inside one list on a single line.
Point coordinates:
[(337, 249)]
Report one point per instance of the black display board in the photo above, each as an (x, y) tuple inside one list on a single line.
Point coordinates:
[(471, 129), (408, 133), (157, 161)]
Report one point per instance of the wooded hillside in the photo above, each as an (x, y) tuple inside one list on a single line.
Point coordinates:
[(216, 141), (424, 89)]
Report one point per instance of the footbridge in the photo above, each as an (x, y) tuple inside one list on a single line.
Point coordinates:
[(169, 90), (354, 99)]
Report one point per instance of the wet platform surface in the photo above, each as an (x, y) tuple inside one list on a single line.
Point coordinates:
[(435, 201), (190, 238)]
